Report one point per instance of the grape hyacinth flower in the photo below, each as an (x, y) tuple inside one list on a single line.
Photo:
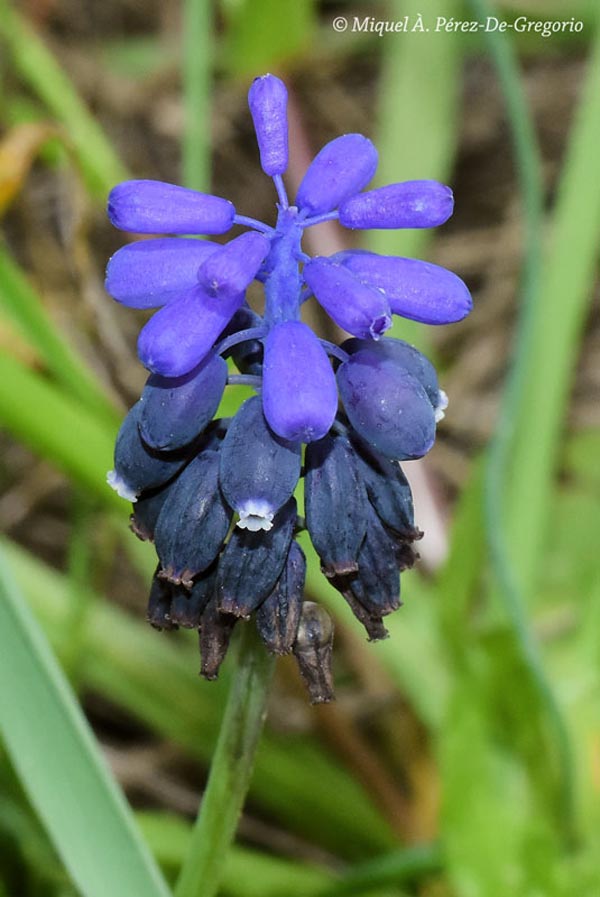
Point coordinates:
[(217, 496)]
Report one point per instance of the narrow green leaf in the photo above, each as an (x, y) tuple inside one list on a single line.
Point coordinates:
[(60, 766), (418, 122), (565, 291), (24, 307), (37, 66), (198, 37), (56, 427)]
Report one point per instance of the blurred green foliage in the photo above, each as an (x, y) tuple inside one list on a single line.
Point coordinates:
[(478, 679)]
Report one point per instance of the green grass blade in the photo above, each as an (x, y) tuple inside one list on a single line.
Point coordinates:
[(419, 120), (60, 766), (565, 291), (19, 301), (37, 66), (198, 38), (56, 427)]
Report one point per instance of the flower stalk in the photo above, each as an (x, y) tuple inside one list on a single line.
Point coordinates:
[(231, 769)]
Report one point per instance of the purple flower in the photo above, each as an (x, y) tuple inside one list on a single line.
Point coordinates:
[(190, 475)]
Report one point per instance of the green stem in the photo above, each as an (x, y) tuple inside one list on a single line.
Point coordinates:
[(529, 172), (230, 771), (394, 869), (197, 57)]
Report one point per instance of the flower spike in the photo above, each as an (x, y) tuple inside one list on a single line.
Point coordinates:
[(218, 497)]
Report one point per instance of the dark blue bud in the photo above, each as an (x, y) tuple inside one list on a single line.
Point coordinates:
[(335, 504), (313, 651), (187, 606), (158, 613), (358, 308), (407, 357), (377, 584), (153, 207), (267, 99), (229, 271), (417, 290), (386, 405), (259, 470), (176, 409), (252, 563), (342, 168), (152, 272), (137, 468), (409, 204), (216, 630), (388, 490), (278, 617), (194, 521)]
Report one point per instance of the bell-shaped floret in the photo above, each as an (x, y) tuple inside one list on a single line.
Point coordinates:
[(216, 630), (158, 612), (409, 204), (181, 334), (417, 290), (146, 511), (150, 273), (405, 356), (355, 306), (228, 272), (188, 605), (388, 490), (386, 405), (252, 563), (259, 470), (153, 207), (194, 521), (299, 389), (377, 585), (335, 503), (138, 468), (176, 410), (342, 168), (278, 617), (267, 99)]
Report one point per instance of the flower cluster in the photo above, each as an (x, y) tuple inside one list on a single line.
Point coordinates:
[(217, 496)]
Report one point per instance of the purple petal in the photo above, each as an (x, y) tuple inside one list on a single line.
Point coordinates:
[(229, 271), (355, 306), (267, 99), (386, 405), (409, 204), (342, 168), (299, 389), (416, 290), (152, 272), (178, 336), (152, 207)]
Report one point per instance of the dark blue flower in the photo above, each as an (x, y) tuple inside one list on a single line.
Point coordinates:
[(190, 476)]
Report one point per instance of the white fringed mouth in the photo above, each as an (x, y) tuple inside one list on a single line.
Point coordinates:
[(120, 486), (255, 516), (441, 406)]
